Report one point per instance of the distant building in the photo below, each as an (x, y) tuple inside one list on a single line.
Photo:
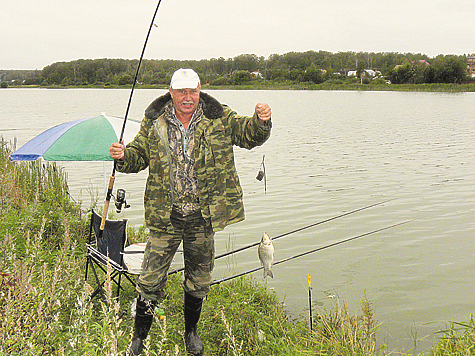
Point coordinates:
[(371, 73), (257, 74), (471, 65), (421, 61), (368, 73)]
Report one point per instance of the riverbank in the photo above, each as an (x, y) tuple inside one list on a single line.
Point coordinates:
[(262, 85), (44, 297), (43, 294)]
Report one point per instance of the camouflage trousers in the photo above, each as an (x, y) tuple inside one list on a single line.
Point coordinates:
[(198, 249)]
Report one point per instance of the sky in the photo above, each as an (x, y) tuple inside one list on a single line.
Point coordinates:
[(36, 33)]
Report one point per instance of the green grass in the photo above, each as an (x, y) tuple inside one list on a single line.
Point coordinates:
[(43, 295), (457, 339)]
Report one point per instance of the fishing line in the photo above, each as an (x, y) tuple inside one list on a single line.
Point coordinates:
[(217, 281), (292, 232), (112, 177)]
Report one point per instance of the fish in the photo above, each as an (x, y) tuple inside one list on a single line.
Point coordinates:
[(266, 254)]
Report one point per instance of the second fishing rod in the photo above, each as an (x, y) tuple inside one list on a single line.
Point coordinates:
[(292, 232), (218, 281)]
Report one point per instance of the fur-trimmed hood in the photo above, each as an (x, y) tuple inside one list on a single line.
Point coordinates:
[(212, 109)]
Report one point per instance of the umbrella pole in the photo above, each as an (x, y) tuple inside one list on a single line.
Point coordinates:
[(104, 179), (112, 177)]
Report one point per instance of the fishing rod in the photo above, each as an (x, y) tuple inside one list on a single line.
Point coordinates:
[(303, 228), (110, 187), (290, 232), (217, 281)]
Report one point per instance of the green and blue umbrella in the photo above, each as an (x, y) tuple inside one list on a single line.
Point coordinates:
[(79, 140)]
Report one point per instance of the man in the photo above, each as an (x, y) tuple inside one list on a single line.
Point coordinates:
[(186, 141)]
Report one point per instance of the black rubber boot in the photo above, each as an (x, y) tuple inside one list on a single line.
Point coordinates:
[(142, 324), (192, 312)]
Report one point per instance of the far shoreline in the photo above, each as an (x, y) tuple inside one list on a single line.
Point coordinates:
[(439, 87)]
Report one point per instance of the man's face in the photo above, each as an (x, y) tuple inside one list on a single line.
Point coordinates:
[(185, 100)]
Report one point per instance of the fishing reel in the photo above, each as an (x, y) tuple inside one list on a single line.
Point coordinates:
[(120, 200)]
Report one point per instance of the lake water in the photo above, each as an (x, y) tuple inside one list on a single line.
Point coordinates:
[(330, 152)]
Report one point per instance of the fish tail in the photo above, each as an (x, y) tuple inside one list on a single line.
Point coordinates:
[(268, 273)]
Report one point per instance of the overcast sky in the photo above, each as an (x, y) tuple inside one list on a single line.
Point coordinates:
[(36, 33)]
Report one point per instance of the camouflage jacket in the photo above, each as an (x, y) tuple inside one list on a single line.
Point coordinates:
[(219, 190)]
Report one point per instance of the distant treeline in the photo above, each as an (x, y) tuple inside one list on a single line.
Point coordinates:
[(295, 67)]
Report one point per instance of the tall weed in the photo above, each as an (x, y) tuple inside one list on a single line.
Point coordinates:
[(37, 297), (345, 334), (457, 339)]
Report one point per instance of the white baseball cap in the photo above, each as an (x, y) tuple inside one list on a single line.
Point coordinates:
[(185, 79)]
